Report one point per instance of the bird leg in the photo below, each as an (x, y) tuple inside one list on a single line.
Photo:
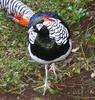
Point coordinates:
[(46, 84), (53, 68)]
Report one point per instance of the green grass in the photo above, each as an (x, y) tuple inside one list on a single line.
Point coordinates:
[(17, 68), (70, 11)]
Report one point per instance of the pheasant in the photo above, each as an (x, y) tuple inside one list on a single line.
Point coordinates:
[(49, 41)]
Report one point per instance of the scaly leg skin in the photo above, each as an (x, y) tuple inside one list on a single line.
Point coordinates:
[(46, 84), (53, 68)]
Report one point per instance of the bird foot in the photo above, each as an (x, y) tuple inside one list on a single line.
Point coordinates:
[(45, 87)]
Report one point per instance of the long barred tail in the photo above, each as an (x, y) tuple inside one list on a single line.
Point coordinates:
[(16, 7)]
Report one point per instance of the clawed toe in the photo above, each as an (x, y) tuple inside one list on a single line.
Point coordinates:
[(45, 87)]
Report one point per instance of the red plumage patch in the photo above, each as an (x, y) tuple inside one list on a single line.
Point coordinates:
[(46, 18), (20, 20)]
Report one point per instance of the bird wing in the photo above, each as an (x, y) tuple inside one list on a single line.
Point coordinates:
[(57, 31), (32, 35)]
